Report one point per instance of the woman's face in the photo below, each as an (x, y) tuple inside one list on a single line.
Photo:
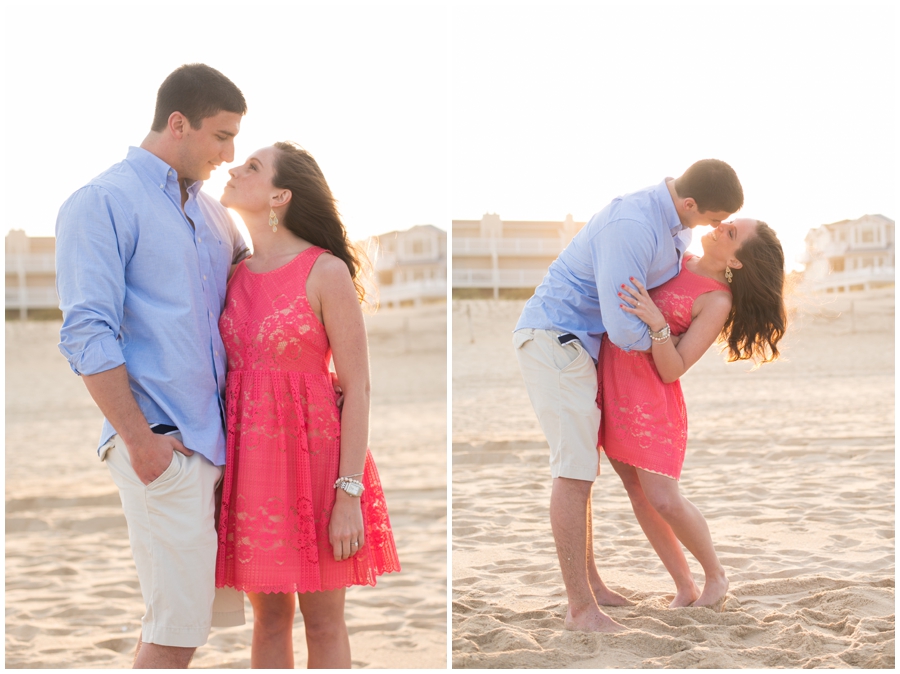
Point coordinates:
[(250, 189), (722, 242)]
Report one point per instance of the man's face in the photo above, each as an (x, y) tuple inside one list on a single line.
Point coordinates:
[(203, 149), (696, 217)]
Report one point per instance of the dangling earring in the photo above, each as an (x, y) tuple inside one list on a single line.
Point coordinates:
[(728, 275), (273, 220)]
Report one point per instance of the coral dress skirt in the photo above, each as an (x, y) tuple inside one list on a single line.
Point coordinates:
[(643, 420)]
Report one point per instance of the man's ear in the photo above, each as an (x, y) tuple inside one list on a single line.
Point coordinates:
[(177, 124), (689, 204)]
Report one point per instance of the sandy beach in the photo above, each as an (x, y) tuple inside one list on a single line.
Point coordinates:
[(792, 465), (72, 594)]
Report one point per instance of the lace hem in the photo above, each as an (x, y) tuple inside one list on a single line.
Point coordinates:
[(291, 588), (634, 465)]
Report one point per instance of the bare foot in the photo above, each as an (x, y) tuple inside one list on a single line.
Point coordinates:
[(713, 595), (592, 620), (685, 596), (607, 597)]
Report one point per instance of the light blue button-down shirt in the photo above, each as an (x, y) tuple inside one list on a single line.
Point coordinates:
[(637, 235), (139, 285)]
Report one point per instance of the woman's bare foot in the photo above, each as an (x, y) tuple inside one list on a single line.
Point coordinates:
[(592, 620), (685, 596), (713, 595), (607, 597)]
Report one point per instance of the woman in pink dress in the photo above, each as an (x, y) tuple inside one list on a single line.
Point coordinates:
[(734, 292), (303, 512)]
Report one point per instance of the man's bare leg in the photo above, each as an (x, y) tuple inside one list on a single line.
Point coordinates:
[(603, 595), (154, 656), (661, 537), (568, 518)]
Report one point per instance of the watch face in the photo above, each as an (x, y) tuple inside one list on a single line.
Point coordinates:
[(353, 489)]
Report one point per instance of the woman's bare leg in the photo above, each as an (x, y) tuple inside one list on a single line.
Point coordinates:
[(327, 640), (691, 529), (660, 535), (273, 622), (603, 595)]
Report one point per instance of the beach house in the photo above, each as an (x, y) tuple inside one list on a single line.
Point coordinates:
[(30, 274), (850, 256), (410, 266), (498, 258)]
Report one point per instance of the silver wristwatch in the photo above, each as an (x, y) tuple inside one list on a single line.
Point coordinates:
[(349, 485), (662, 335)]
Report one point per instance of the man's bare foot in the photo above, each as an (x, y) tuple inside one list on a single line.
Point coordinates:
[(713, 595), (592, 620), (607, 597), (685, 596)]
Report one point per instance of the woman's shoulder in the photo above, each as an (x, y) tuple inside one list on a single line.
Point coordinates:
[(329, 274), (329, 266), (714, 300)]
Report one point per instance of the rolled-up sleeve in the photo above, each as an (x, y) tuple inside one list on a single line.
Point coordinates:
[(620, 250), (90, 280)]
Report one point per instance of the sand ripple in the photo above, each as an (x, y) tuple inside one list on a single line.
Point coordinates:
[(792, 465)]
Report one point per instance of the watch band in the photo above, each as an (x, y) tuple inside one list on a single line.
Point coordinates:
[(662, 335), (350, 486)]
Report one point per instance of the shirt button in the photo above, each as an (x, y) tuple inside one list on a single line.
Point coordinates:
[(217, 353), (162, 187), (204, 277), (199, 240)]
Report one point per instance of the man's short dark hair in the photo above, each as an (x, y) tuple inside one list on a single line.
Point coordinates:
[(713, 184), (197, 92)]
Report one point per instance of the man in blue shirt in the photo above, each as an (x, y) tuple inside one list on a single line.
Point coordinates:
[(557, 339), (143, 258)]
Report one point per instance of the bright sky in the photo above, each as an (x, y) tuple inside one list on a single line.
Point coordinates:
[(557, 110), (363, 88), (423, 112)]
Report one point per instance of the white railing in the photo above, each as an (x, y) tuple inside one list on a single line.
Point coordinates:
[(33, 263), (500, 278), (32, 298), (510, 246), (426, 289), (854, 277)]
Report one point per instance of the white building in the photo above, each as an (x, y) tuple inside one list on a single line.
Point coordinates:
[(850, 256), (30, 273), (411, 266), (492, 254)]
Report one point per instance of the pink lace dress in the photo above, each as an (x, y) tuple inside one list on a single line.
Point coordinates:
[(284, 445), (644, 421)]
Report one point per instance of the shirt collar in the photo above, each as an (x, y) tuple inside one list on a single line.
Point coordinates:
[(158, 171), (670, 215)]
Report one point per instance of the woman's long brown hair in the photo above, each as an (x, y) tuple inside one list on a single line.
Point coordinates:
[(758, 317), (312, 213)]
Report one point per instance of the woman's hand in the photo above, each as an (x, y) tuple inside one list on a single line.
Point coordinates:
[(639, 304), (345, 530)]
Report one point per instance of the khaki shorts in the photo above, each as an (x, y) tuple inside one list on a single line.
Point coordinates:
[(171, 526), (562, 385)]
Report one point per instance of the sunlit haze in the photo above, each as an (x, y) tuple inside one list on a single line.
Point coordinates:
[(420, 113), (363, 88), (557, 110)]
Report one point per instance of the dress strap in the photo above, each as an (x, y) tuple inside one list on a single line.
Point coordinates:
[(307, 259)]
